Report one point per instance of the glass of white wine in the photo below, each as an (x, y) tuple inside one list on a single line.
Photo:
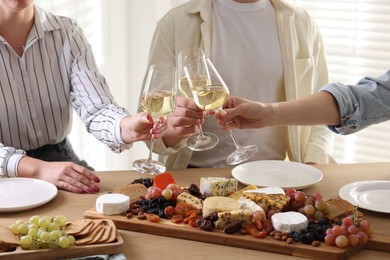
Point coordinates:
[(211, 96), (194, 58), (159, 100)]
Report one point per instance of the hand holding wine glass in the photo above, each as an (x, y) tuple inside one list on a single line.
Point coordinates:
[(212, 96), (193, 60), (158, 99)]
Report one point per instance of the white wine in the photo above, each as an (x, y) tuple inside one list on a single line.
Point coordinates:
[(185, 88), (159, 103), (210, 97)]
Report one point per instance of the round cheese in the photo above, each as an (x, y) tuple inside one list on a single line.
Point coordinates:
[(111, 204), (289, 221)]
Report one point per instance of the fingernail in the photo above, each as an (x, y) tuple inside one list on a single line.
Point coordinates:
[(91, 189), (97, 180), (223, 113), (96, 189)]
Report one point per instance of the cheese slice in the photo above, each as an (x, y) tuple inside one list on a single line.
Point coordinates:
[(224, 218), (289, 221), (217, 186), (217, 204), (250, 205), (112, 204), (267, 190), (190, 199)]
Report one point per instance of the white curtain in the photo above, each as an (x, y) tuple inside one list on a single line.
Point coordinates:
[(356, 36)]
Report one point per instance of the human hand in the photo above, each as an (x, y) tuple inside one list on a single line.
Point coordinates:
[(140, 127), (184, 121), (65, 175), (242, 113)]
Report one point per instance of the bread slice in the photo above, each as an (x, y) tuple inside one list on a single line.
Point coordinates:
[(134, 191)]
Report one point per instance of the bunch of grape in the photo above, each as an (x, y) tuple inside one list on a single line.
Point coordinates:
[(350, 232), (170, 192), (313, 206), (42, 232)]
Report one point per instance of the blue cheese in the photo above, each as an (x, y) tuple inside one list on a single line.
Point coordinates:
[(289, 221), (217, 186)]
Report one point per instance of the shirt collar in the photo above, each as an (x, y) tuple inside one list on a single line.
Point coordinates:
[(44, 22)]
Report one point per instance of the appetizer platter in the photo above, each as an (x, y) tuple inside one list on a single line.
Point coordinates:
[(268, 219), (47, 238)]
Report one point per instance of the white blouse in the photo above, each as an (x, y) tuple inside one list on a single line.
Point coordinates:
[(56, 72)]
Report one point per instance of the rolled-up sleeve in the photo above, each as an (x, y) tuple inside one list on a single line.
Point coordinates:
[(361, 105), (9, 159)]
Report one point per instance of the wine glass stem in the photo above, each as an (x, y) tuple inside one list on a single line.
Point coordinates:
[(151, 150), (238, 146)]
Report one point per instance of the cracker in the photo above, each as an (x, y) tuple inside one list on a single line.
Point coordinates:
[(90, 237), (134, 191), (7, 237), (76, 227)]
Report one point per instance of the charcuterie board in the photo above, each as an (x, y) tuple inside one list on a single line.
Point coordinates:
[(269, 244), (71, 252)]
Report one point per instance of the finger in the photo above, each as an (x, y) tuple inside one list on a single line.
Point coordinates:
[(75, 181), (86, 173)]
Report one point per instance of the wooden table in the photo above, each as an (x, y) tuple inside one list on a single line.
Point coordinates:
[(145, 246)]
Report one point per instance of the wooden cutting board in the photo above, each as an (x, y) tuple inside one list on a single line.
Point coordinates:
[(269, 244), (115, 247)]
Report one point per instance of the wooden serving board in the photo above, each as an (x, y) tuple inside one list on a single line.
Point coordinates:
[(71, 252), (269, 244)]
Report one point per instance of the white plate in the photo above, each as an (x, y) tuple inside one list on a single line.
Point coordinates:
[(18, 194), (283, 174), (371, 195)]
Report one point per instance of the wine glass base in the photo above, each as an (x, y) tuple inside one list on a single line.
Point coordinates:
[(149, 167), (205, 143), (242, 154)]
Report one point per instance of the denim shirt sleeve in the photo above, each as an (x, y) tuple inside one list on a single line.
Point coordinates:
[(361, 105)]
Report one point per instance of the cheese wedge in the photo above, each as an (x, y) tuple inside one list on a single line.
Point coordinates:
[(218, 204), (190, 199), (111, 204), (238, 194), (250, 205), (217, 186), (225, 218), (289, 221)]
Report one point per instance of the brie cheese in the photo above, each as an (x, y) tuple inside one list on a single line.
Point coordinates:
[(289, 221), (111, 204)]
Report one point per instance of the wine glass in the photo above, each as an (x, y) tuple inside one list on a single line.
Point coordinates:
[(159, 100), (212, 96), (202, 141)]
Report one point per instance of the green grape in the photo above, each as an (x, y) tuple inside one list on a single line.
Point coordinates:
[(15, 229), (55, 235), (33, 232), (23, 229), (25, 241), (19, 222), (34, 219), (43, 222), (33, 226), (71, 239), (60, 220), (52, 226), (64, 242), (44, 236)]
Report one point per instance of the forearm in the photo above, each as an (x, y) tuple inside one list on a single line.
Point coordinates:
[(319, 108)]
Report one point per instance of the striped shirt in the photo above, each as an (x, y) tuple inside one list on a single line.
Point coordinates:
[(56, 72)]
